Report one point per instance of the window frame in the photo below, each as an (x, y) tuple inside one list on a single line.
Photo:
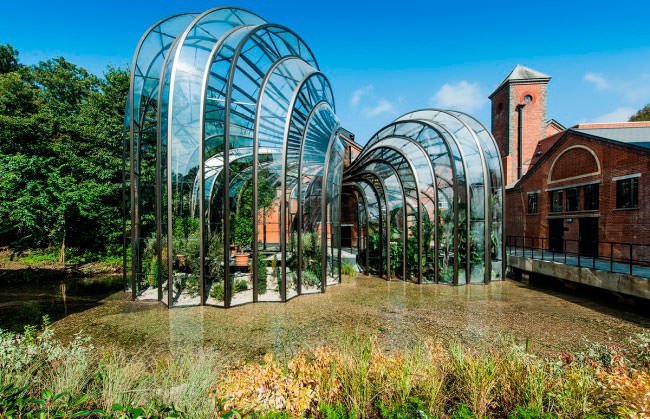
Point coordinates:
[(536, 204), (570, 198), (632, 202), (591, 191), (552, 201)]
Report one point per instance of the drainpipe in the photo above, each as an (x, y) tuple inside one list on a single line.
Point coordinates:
[(520, 134)]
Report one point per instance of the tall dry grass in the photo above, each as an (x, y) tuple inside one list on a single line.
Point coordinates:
[(355, 379), (359, 380), (38, 363)]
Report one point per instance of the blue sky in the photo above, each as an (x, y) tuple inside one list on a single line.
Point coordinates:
[(386, 58)]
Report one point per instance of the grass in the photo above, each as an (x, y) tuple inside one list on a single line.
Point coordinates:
[(85, 262), (355, 379)]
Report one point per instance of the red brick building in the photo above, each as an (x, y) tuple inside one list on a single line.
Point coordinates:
[(578, 188)]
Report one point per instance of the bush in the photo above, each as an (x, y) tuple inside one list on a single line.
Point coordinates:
[(336, 411), (348, 269), (217, 291), (521, 412), (310, 279), (240, 285), (41, 377), (463, 412), (262, 274), (412, 409)]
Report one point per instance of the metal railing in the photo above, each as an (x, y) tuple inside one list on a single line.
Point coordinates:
[(619, 257)]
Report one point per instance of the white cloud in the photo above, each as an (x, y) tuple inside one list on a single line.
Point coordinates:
[(382, 107), (617, 115), (358, 94), (462, 96), (598, 80)]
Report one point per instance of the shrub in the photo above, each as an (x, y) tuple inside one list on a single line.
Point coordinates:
[(310, 279), (348, 269), (521, 412), (262, 274), (412, 409), (463, 412), (240, 285), (41, 377), (335, 411), (217, 291)]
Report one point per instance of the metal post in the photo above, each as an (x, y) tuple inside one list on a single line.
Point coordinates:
[(520, 134), (551, 250), (593, 259), (631, 258)]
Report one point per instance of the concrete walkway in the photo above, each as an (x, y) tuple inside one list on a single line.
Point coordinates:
[(586, 262)]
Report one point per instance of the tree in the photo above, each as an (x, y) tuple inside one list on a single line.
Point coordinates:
[(61, 134), (8, 59), (642, 115)]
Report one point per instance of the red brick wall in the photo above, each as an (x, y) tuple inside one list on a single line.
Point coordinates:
[(574, 162), (534, 122), (505, 124), (551, 129), (500, 106), (614, 225)]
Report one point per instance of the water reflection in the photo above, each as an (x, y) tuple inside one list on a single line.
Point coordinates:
[(399, 314), (25, 303)]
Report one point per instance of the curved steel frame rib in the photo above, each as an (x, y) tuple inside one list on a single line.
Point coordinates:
[(220, 97), (467, 136)]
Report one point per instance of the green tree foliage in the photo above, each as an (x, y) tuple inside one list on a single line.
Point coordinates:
[(642, 115), (60, 155), (8, 59)]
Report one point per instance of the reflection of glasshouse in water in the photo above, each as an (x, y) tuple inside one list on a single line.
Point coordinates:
[(235, 165)]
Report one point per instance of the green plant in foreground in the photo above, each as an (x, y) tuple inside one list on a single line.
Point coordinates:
[(240, 285), (348, 269), (412, 409), (310, 278), (217, 291), (262, 274), (463, 412), (521, 412), (42, 377)]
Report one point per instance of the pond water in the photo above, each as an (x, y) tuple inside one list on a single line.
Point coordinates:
[(398, 314)]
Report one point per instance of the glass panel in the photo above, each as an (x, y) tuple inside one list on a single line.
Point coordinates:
[(185, 131), (495, 205), (333, 182), (146, 73), (317, 136)]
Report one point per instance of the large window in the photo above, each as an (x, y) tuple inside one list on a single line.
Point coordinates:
[(533, 198), (627, 193), (572, 199), (557, 201), (591, 197)]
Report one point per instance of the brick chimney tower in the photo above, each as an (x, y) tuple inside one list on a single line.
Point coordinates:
[(519, 119)]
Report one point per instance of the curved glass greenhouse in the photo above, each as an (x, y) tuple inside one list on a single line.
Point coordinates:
[(429, 194), (235, 174)]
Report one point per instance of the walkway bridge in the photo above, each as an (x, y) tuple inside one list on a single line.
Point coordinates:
[(620, 267)]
